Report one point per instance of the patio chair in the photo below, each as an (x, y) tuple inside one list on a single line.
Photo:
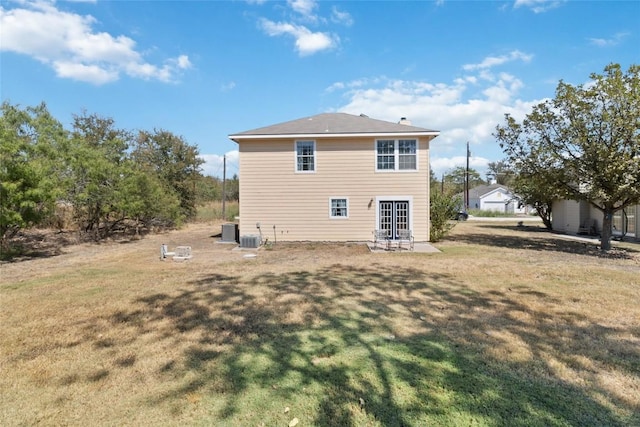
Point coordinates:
[(381, 237), (589, 226), (405, 238)]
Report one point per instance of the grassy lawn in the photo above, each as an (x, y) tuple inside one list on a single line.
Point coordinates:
[(507, 326)]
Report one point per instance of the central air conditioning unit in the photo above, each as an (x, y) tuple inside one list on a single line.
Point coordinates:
[(249, 241), (229, 232)]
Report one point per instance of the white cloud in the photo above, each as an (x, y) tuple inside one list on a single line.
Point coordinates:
[(502, 91), (613, 41), (467, 109), (304, 8), (228, 86), (213, 164), (354, 84), (341, 17), (68, 43), (296, 24), (538, 6), (306, 41), (86, 73), (183, 62), (493, 61), (443, 165)]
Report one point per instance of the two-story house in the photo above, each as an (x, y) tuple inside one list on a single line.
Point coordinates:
[(334, 177)]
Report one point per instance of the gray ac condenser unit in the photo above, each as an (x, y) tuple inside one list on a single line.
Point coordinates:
[(249, 241), (229, 232)]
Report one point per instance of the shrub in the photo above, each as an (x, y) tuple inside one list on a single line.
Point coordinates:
[(443, 208)]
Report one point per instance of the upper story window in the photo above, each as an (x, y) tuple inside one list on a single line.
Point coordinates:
[(407, 154), (396, 154), (305, 156), (386, 156)]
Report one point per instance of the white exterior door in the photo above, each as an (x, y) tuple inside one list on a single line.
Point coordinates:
[(394, 215)]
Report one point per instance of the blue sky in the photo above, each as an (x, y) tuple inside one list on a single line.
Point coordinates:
[(207, 69)]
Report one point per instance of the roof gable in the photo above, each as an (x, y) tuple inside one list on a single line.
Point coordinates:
[(333, 124), (502, 190), (484, 190)]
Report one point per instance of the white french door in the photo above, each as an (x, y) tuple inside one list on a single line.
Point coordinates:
[(393, 215)]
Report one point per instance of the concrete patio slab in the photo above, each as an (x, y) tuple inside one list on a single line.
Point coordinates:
[(418, 247)]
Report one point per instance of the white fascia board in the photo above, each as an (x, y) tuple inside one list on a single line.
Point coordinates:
[(395, 135), (504, 190)]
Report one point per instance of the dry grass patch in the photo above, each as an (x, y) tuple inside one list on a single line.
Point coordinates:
[(506, 326)]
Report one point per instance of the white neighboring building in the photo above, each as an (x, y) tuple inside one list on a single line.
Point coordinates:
[(496, 198), (568, 216)]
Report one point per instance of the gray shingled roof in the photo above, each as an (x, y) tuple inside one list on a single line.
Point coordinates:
[(481, 190), (334, 124)]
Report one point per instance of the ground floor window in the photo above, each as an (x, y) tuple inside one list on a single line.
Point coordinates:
[(339, 207)]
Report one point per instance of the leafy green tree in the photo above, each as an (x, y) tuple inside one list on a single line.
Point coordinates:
[(208, 189), (455, 178), (98, 159), (27, 186), (443, 208), (501, 172), (537, 189), (433, 180), (533, 183), (586, 141), (174, 162), (145, 200), (232, 188), (92, 169)]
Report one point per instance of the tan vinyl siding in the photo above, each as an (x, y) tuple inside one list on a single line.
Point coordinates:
[(297, 204)]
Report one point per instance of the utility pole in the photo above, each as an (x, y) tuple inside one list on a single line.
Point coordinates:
[(466, 181), (224, 181)]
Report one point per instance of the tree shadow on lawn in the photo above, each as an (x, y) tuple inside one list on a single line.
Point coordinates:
[(539, 239), (352, 346)]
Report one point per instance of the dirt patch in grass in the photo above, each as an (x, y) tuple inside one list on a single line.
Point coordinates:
[(507, 326)]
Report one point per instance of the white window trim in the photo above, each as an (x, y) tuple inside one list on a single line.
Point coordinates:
[(331, 199), (396, 155), (295, 156)]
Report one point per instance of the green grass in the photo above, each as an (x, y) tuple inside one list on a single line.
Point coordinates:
[(321, 369)]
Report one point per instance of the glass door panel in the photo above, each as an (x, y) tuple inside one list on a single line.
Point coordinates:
[(394, 216)]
